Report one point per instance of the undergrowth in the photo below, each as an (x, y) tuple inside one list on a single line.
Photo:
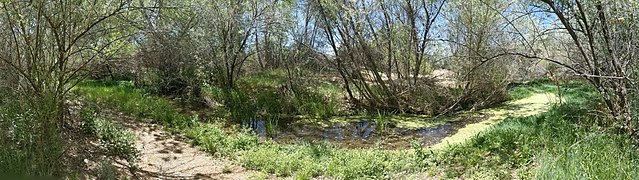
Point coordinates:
[(303, 161), (126, 98), (264, 95), (30, 145), (119, 143), (568, 141)]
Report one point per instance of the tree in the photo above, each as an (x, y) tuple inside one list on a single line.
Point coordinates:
[(227, 32), (369, 40), (51, 46), (603, 37), (167, 48), (475, 36)]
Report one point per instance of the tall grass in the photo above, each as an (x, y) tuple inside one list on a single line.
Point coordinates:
[(303, 161), (263, 95), (30, 145), (567, 142), (381, 121), (124, 97)]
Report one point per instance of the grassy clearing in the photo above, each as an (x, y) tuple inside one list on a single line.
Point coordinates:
[(524, 90), (559, 144), (302, 161)]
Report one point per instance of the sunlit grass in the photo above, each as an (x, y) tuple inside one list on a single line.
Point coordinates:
[(271, 78), (553, 145), (302, 161), (564, 143), (124, 97)]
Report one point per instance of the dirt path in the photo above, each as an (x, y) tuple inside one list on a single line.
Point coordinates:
[(166, 156), (532, 105)]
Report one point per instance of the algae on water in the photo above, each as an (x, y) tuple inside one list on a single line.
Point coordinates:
[(532, 105)]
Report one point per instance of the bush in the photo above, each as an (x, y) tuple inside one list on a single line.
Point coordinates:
[(240, 105), (29, 144), (314, 104), (214, 140), (118, 142), (169, 66)]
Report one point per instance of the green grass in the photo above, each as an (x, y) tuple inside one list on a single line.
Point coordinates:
[(118, 142), (124, 97), (30, 145), (521, 91), (302, 161), (272, 78), (312, 160), (566, 142), (262, 96)]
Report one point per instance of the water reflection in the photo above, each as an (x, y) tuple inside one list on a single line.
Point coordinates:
[(364, 133)]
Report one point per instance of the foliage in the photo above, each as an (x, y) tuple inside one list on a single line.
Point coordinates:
[(312, 160), (262, 96), (482, 81), (49, 47), (269, 59), (125, 98), (29, 145), (606, 50), (118, 142), (383, 55), (214, 140), (168, 61), (568, 141), (303, 161), (107, 171), (530, 146)]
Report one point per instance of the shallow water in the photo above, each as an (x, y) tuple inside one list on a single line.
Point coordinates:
[(360, 134)]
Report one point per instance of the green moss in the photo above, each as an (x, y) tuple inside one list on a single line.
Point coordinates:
[(532, 105), (407, 121)]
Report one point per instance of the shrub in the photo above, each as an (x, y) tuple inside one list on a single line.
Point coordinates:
[(30, 145), (118, 142), (214, 140)]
